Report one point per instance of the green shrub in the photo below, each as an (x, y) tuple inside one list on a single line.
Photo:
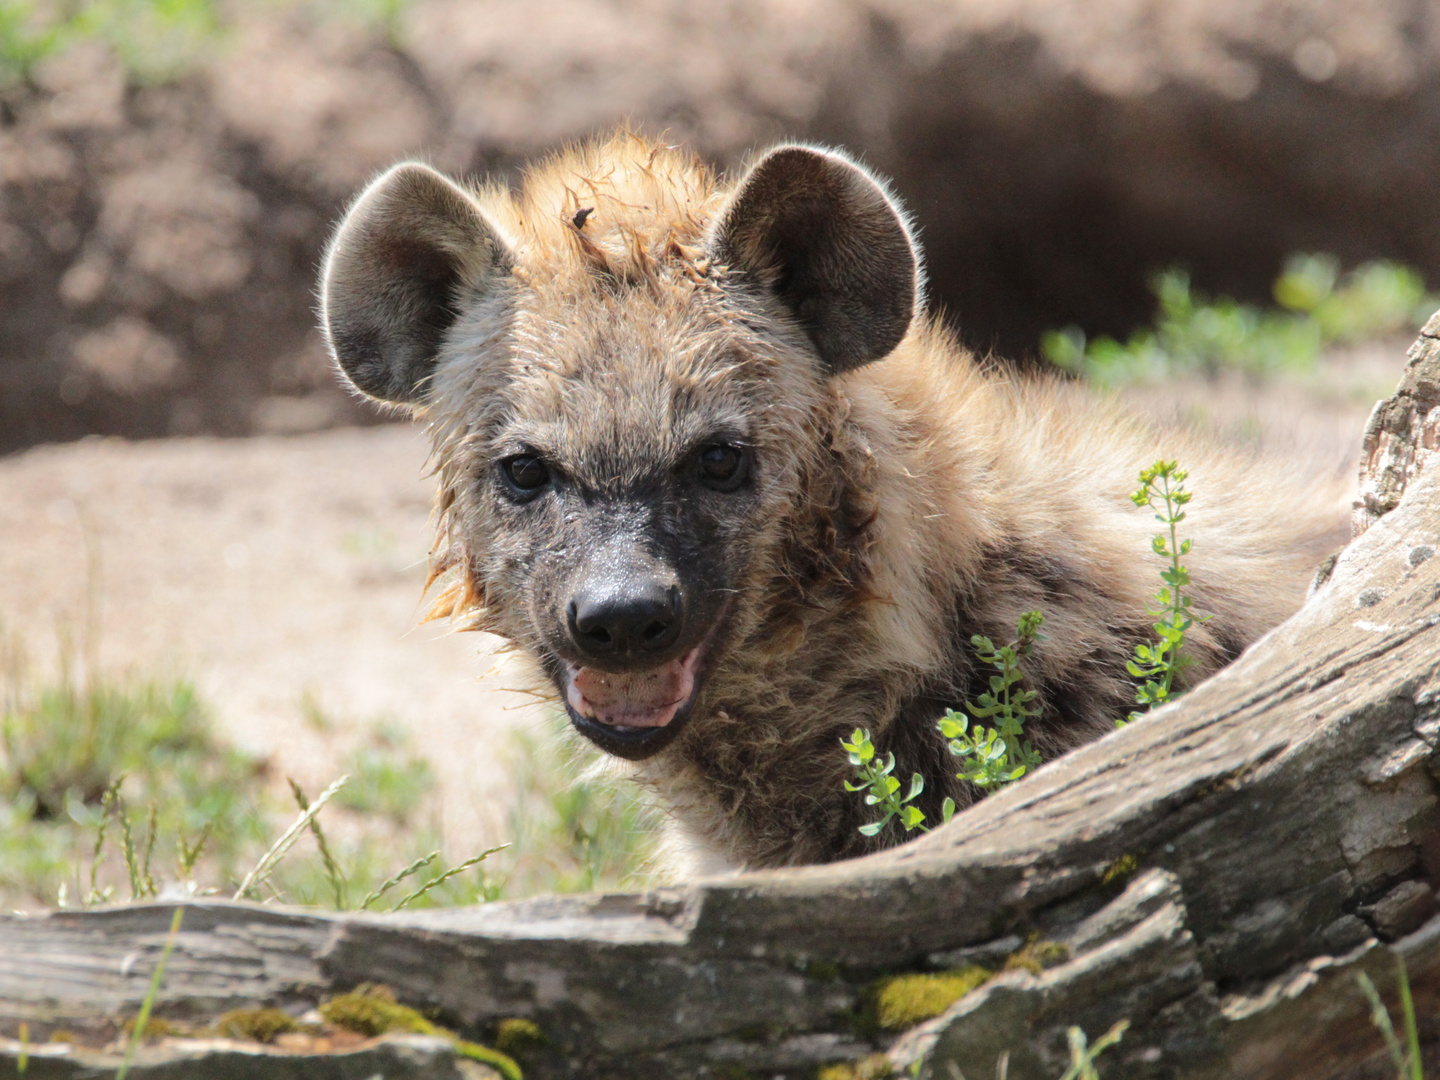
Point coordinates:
[(1319, 307), (152, 745), (154, 39)]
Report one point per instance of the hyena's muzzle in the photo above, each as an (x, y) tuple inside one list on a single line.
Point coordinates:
[(629, 636)]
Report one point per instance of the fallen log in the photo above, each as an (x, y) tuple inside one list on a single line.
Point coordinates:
[(1216, 874)]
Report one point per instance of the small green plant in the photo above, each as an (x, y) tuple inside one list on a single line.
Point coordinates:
[(1162, 489), (993, 756), (1083, 1053), (434, 883), (154, 39), (259, 874), (881, 789), (76, 756), (1320, 306), (1000, 754), (340, 886), (1408, 1065)]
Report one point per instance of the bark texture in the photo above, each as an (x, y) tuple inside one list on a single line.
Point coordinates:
[(1402, 433), (1217, 874)]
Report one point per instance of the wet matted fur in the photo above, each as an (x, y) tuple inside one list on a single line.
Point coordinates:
[(624, 313)]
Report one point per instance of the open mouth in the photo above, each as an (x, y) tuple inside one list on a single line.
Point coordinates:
[(631, 713)]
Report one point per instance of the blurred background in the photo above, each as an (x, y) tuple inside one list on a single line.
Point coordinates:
[(1226, 211)]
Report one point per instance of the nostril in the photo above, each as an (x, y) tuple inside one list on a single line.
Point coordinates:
[(588, 628), (610, 621)]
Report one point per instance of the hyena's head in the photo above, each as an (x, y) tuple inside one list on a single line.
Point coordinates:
[(627, 369)]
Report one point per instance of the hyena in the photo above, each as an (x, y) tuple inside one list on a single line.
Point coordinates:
[(706, 462)]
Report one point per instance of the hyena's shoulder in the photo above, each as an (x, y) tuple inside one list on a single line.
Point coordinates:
[(1014, 494)]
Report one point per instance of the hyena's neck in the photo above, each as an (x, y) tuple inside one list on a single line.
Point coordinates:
[(840, 631)]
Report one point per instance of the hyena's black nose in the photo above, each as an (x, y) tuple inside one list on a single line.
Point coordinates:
[(614, 619)]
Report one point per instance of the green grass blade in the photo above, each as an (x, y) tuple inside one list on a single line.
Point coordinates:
[(287, 840), (447, 875), (1412, 1031), (332, 868), (143, 1017), (1380, 1017), (414, 868)]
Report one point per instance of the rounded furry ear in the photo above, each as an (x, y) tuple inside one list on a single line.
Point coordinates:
[(408, 248), (827, 238)]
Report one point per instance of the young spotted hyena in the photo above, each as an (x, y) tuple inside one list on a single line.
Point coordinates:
[(705, 460)]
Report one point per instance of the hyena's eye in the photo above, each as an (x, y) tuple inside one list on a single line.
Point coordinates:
[(525, 476), (722, 467)]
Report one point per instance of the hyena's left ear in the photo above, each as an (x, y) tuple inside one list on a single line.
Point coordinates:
[(413, 245), (830, 241)]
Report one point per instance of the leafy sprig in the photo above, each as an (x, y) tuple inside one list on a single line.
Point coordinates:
[(881, 788), (1000, 754), (993, 756), (1162, 489)]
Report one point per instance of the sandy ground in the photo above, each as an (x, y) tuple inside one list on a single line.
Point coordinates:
[(272, 568), (266, 569)]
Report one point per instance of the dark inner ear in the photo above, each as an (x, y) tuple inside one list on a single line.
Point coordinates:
[(827, 240), (411, 244), (432, 278)]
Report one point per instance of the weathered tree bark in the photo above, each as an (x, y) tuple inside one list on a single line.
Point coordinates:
[(1402, 433), (1218, 872)]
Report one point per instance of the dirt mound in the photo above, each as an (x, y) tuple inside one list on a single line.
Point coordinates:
[(158, 244)]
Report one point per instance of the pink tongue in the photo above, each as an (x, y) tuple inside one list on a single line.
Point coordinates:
[(633, 699)]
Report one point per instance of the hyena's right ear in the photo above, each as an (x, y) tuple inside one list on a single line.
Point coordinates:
[(409, 248)]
